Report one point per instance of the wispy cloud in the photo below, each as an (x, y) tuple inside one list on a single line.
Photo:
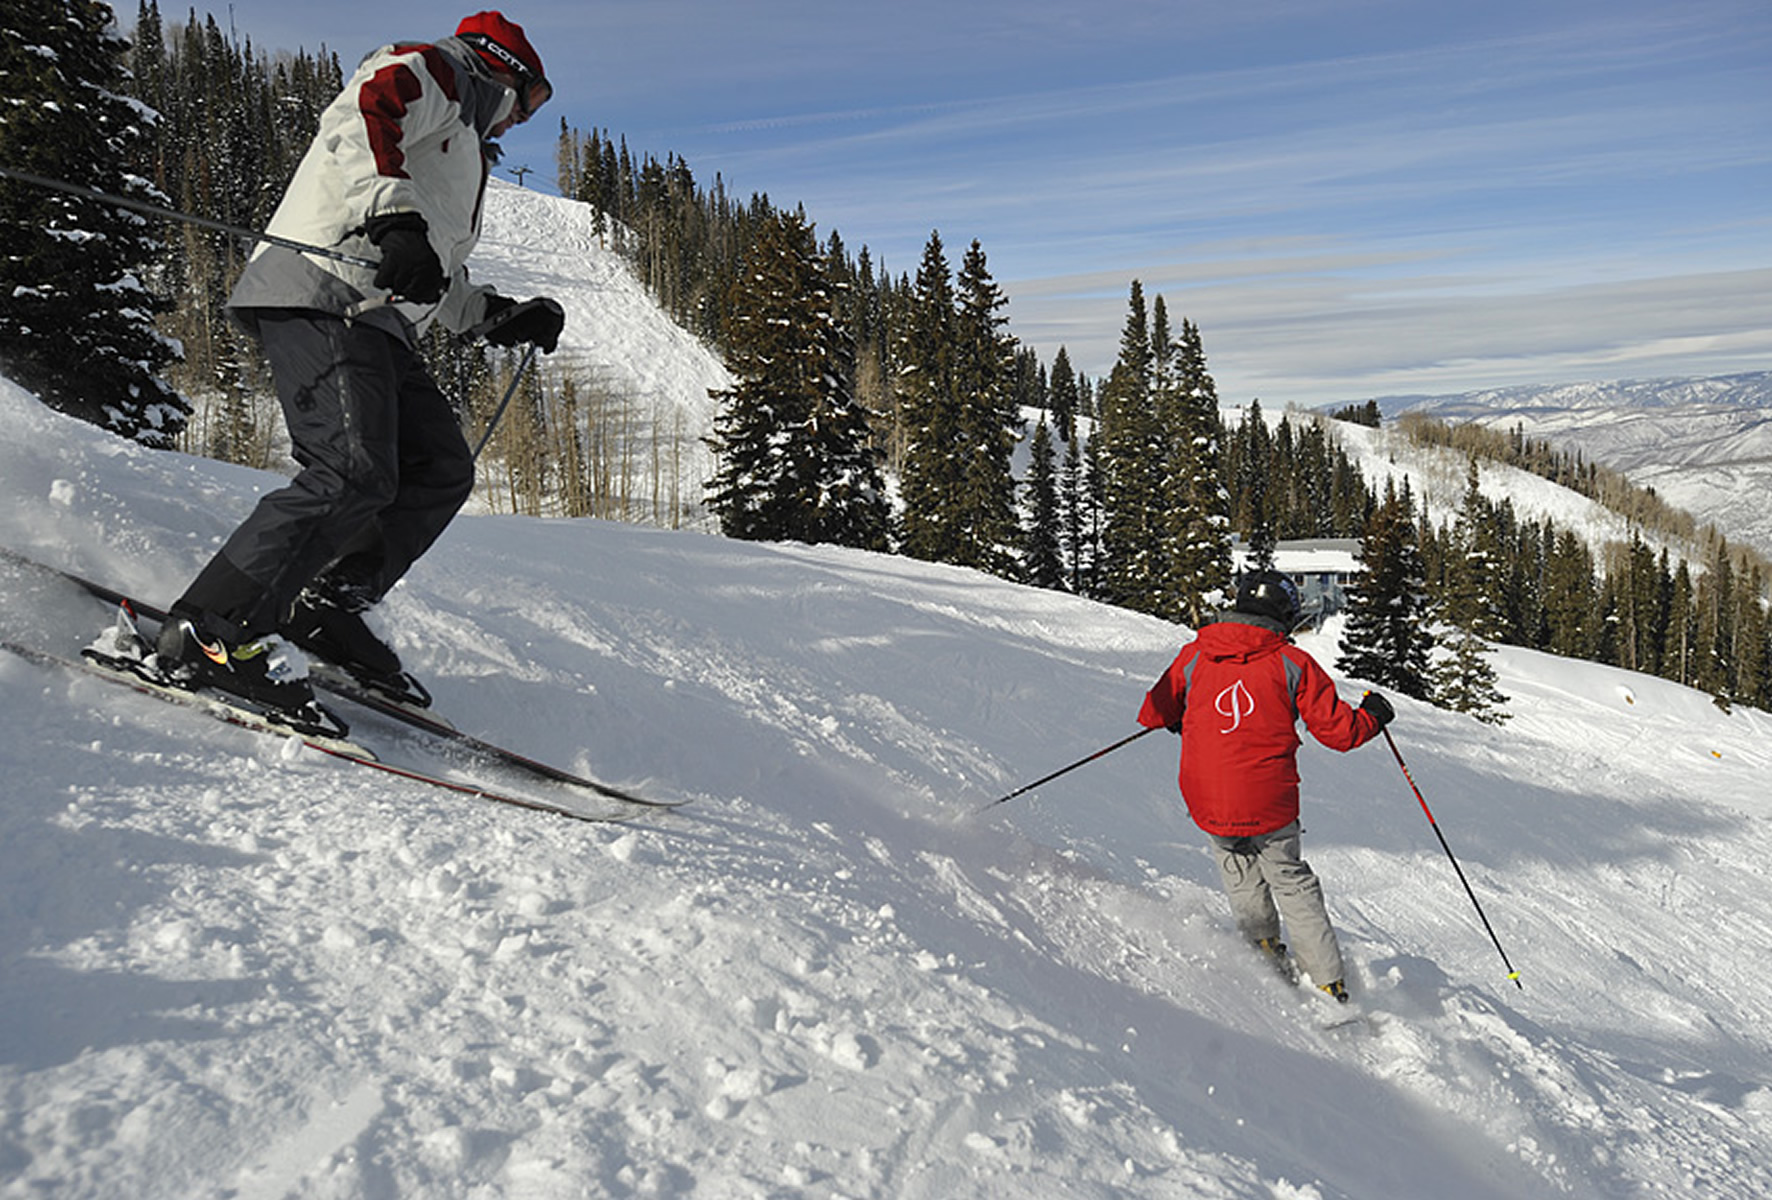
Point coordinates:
[(1315, 337)]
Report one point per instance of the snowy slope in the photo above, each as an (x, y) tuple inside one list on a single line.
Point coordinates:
[(232, 970), (1438, 476), (615, 338), (1704, 445)]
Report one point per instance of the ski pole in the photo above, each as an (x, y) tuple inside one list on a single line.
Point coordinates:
[(173, 214), (1081, 762), (505, 403), (1511, 973)]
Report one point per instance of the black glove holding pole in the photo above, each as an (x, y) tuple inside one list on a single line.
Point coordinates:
[(538, 321), (409, 267), (1379, 707)]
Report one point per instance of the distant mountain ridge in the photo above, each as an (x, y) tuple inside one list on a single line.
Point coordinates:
[(1752, 389), (1704, 444)]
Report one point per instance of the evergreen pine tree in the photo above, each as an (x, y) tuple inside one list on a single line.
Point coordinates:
[(1571, 601), (1043, 560), (985, 380), (1169, 468), (1663, 614), (1350, 500), (1510, 586), (1432, 548), (1641, 617), (1254, 472), (1063, 396), (932, 471), (792, 445), (1131, 455), (1283, 489), (1199, 503), (1250, 463), (1753, 644), (1316, 477), (1677, 660), (1716, 624), (849, 500), (1529, 563), (1473, 560), (76, 312), (147, 69), (1463, 678), (1262, 546), (1387, 641)]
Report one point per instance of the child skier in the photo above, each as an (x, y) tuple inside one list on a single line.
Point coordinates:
[(1235, 694)]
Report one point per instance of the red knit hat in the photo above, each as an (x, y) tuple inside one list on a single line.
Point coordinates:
[(501, 44)]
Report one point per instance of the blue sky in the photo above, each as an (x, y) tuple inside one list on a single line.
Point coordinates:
[(1350, 198)]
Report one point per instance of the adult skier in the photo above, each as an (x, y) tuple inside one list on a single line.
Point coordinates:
[(397, 172), (1235, 694)]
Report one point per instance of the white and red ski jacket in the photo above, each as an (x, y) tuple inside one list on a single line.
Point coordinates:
[(1238, 691), (407, 134)]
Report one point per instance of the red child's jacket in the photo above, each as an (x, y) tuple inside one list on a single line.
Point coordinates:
[(1238, 690)]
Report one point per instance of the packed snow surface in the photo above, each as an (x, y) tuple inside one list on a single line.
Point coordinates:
[(230, 967)]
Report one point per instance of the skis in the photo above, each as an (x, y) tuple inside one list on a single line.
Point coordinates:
[(339, 748), (1326, 1012), (328, 678), (213, 705), (338, 683)]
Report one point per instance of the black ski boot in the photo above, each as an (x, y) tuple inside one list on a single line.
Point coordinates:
[(269, 674), (340, 636)]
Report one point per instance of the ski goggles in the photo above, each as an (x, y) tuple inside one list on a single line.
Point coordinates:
[(532, 90)]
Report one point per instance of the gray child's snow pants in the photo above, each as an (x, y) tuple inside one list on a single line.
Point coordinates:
[(1266, 880)]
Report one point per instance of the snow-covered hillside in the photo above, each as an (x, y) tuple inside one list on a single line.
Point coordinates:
[(615, 339), (1704, 445), (1438, 478), (232, 969)]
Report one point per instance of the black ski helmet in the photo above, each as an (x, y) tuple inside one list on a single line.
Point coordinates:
[(1269, 594)]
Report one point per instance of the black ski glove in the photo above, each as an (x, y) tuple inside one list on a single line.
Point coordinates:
[(1379, 707), (539, 321), (409, 267)]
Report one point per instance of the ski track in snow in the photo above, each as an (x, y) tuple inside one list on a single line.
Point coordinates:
[(230, 967)]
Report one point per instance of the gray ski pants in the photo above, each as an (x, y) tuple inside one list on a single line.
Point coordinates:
[(384, 469), (1266, 880)]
